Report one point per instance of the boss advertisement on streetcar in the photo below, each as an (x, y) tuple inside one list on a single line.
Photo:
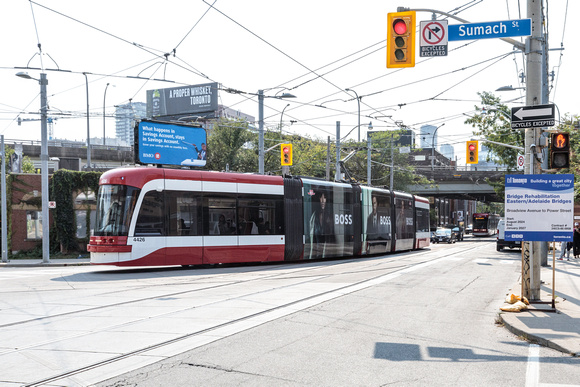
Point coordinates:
[(328, 220), (170, 144), (376, 206)]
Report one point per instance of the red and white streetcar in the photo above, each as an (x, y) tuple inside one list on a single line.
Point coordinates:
[(149, 216)]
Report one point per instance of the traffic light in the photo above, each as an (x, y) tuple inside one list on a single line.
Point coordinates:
[(560, 150), (401, 39), (472, 152), (286, 154)]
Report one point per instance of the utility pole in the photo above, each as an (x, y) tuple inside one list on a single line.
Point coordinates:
[(534, 61)]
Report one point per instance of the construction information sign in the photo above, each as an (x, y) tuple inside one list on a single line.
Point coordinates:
[(539, 207)]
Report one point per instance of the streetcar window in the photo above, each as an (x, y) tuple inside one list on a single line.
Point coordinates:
[(115, 206), (150, 221), (184, 213), (404, 215), (260, 215), (422, 220), (376, 221), (221, 215)]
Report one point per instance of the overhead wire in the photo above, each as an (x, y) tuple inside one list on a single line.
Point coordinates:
[(310, 71)]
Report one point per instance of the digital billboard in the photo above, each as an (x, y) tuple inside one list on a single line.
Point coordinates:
[(184, 100), (170, 144)]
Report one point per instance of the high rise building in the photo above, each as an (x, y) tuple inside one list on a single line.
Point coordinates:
[(448, 151), (426, 138), (125, 116)]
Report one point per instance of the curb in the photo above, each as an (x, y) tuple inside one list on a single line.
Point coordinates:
[(50, 264), (534, 338)]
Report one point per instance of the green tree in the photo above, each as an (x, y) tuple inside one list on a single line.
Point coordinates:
[(229, 147), (492, 121)]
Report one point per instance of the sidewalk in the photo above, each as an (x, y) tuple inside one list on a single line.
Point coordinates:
[(559, 330), (53, 262)]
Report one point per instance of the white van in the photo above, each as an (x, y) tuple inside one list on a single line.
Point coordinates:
[(501, 242)]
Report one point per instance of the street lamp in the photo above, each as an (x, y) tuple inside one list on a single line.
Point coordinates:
[(104, 98), (282, 115), (433, 150), (358, 100), (509, 88), (43, 162), (261, 126)]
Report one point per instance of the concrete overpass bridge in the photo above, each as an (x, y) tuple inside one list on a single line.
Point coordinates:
[(461, 183)]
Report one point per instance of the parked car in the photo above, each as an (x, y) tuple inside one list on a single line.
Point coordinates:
[(445, 235), (469, 229)]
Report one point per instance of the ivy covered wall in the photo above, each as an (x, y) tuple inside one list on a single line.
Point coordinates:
[(64, 184)]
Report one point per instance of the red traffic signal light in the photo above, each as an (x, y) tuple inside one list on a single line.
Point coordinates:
[(472, 156), (286, 154), (400, 27), (401, 39), (559, 150)]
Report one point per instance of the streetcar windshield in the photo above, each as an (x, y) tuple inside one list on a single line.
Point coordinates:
[(480, 222), (115, 206)]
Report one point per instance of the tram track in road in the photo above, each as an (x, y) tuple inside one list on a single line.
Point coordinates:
[(300, 273), (385, 269)]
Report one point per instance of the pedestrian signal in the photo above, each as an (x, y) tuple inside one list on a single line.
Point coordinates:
[(472, 156), (560, 150), (401, 39), (286, 154)]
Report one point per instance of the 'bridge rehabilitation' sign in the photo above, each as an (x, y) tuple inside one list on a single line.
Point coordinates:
[(539, 207)]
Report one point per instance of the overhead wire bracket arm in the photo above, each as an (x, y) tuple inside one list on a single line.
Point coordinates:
[(502, 144), (511, 41)]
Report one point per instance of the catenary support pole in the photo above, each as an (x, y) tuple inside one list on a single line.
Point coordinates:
[(337, 173), (4, 204), (261, 132)]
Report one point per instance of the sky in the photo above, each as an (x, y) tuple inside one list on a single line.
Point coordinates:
[(311, 49)]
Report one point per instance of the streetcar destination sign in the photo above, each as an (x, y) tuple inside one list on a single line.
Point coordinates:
[(536, 116), (490, 30)]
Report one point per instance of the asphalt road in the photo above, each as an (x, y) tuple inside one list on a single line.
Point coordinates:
[(419, 318)]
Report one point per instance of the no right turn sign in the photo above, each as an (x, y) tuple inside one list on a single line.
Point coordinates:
[(433, 38)]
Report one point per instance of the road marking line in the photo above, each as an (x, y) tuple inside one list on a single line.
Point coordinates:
[(533, 369)]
